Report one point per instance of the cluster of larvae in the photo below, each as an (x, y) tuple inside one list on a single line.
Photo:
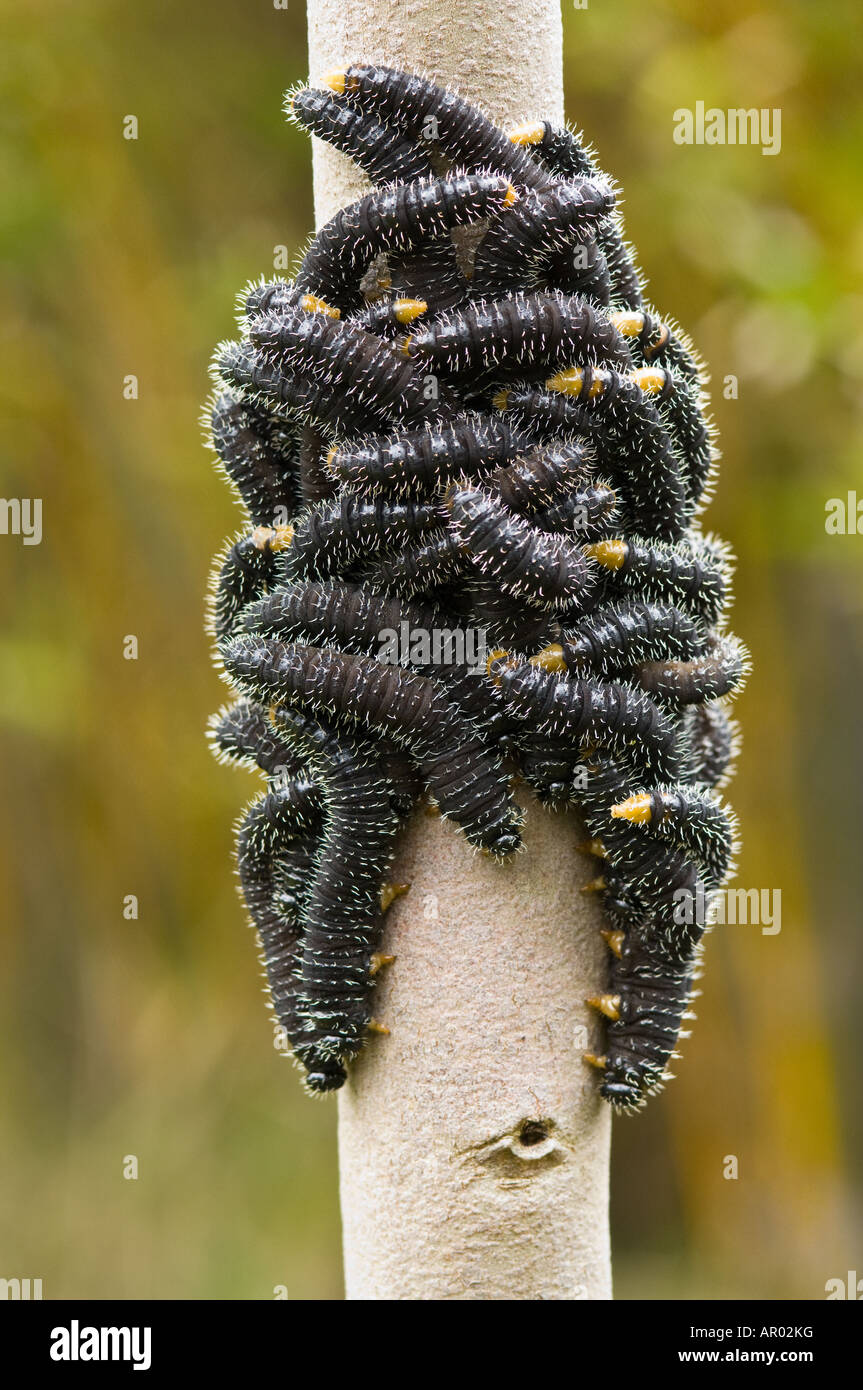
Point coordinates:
[(460, 419)]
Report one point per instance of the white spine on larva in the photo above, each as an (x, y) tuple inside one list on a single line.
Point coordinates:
[(474, 1148)]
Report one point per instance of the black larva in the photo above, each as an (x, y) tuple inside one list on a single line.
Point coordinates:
[(502, 338), (498, 439), (425, 460)]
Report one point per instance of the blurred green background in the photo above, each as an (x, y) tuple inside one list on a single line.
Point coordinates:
[(149, 1036)]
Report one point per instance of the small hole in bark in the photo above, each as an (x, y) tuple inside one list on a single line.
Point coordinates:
[(532, 1132)]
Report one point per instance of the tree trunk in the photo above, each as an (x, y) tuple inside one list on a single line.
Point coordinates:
[(473, 1145)]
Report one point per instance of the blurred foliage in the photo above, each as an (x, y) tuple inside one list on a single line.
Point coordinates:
[(148, 1037)]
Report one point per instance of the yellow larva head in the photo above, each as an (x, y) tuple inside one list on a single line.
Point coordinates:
[(638, 809), (313, 305), (571, 383), (650, 380), (336, 81), (531, 133), (282, 536), (406, 310), (609, 554), (550, 658), (261, 537), (497, 655), (628, 322)]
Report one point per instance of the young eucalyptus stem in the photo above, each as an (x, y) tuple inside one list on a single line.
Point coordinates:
[(473, 1146)]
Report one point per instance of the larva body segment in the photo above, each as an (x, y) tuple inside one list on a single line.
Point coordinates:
[(565, 154), (630, 440), (715, 743), (577, 708), (587, 513), (538, 478), (263, 384), (243, 733), (336, 355), (438, 559), (266, 837), (616, 637), (717, 672), (500, 338), (332, 536), (355, 619), (545, 569), (690, 816), (342, 910), (425, 460), (693, 573), (653, 998), (240, 576)]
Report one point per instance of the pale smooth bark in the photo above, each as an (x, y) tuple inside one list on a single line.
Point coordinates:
[(473, 1147)]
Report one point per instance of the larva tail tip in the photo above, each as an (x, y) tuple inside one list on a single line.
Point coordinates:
[(391, 891), (378, 962), (595, 848)]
